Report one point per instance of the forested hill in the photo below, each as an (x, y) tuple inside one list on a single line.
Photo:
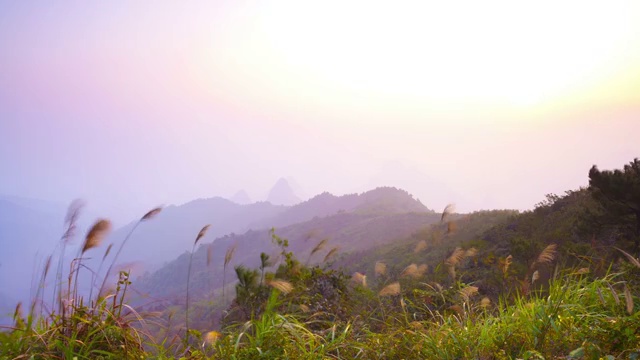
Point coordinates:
[(349, 222), (171, 233), (345, 232), (383, 200), (559, 281)]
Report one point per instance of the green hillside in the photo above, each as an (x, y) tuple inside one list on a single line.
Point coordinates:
[(556, 282)]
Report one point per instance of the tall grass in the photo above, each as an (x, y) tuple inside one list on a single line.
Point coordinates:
[(227, 259), (146, 217), (75, 326), (404, 311), (200, 235)]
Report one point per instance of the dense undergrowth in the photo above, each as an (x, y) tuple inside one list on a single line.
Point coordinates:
[(557, 282)]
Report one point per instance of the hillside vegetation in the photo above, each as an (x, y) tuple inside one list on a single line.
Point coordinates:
[(560, 281)]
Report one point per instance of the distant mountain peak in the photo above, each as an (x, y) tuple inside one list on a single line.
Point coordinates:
[(282, 194), (241, 198)]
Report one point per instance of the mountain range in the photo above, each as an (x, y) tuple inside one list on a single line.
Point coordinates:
[(348, 223), (352, 222)]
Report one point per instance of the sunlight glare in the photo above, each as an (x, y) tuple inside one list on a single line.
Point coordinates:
[(499, 52)]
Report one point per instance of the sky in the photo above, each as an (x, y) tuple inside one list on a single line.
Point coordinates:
[(488, 104)]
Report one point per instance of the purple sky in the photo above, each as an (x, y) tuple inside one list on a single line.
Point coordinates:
[(133, 105)]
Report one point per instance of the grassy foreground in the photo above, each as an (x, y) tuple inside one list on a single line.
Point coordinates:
[(575, 317), (448, 293)]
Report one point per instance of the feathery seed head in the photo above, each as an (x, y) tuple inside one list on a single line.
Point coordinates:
[(535, 276), (485, 302), (211, 337), (17, 314), (582, 271), (229, 254), (73, 213), (359, 279), (420, 246), (630, 257), (471, 252), (283, 286), (411, 270), (468, 292), (547, 255), (448, 210), (106, 253), (390, 290), (504, 264), (456, 256), (96, 234), (319, 246), (330, 254), (151, 214), (422, 269), (202, 233)]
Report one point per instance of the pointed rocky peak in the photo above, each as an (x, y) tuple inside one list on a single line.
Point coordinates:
[(241, 198), (282, 194)]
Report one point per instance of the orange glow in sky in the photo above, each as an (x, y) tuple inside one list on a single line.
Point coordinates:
[(500, 56)]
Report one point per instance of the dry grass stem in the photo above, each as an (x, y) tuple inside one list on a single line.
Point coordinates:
[(209, 254), (628, 299), (106, 252), (630, 257), (46, 267), (17, 314), (614, 293), (451, 227), (600, 296)]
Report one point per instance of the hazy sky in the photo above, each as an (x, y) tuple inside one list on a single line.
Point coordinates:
[(491, 103)]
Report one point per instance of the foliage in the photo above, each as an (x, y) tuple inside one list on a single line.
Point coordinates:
[(618, 194), (488, 285)]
